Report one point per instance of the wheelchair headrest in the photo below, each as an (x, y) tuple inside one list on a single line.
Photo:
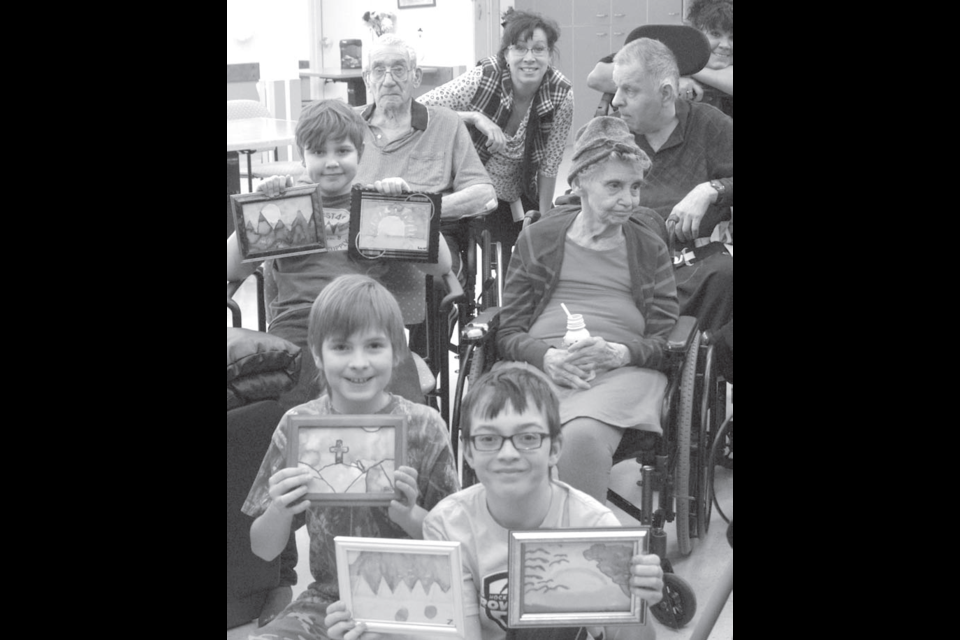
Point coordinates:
[(689, 45)]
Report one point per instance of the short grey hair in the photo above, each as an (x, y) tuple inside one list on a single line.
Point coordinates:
[(654, 57), (393, 40)]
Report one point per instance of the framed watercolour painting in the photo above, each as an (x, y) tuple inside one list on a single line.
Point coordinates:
[(406, 4), (574, 577), (412, 587), (351, 458), (287, 225), (404, 227)]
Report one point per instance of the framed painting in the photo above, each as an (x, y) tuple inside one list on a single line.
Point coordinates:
[(407, 4), (412, 587), (351, 459), (574, 577), (287, 225), (403, 227)]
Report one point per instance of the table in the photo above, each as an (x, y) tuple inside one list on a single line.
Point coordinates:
[(356, 89), (248, 135)]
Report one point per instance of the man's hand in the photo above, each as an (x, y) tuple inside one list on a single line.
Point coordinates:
[(684, 221)]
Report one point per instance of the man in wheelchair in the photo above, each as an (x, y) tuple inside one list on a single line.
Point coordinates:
[(691, 181)]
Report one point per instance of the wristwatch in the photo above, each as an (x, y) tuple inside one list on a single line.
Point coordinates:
[(720, 189)]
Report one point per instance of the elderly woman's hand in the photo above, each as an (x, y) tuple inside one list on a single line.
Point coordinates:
[(496, 139), (596, 354), (565, 375)]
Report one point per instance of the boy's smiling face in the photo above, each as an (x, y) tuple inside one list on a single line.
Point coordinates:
[(357, 369), (333, 167), (509, 473)]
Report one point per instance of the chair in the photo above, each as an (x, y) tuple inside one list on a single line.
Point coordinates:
[(678, 464), (259, 368), (237, 109)]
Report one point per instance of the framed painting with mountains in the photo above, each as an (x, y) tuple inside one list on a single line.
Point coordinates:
[(286, 225)]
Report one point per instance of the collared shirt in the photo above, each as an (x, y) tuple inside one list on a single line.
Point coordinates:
[(700, 149), (436, 156)]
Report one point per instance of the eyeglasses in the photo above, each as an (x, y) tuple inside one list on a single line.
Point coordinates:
[(520, 441), (539, 50), (399, 72)]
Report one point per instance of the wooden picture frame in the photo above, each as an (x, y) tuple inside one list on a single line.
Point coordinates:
[(352, 458), (375, 574), (401, 227), (574, 577), (286, 225), (410, 4)]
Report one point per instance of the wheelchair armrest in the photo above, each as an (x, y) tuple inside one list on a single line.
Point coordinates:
[(456, 291), (235, 310), (532, 216), (480, 327), (682, 335)]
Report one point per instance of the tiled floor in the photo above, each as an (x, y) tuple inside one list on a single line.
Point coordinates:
[(702, 569)]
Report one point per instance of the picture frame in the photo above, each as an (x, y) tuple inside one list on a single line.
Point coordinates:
[(401, 227), (374, 576), (352, 458), (574, 577), (409, 4), (287, 225)]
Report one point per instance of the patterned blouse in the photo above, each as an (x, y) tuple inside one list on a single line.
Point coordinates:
[(506, 168)]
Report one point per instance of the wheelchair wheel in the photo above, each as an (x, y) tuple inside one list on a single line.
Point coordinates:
[(725, 452), (471, 368), (679, 603), (688, 383), (705, 455)]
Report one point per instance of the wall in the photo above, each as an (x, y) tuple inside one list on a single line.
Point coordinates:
[(274, 34), (446, 38)]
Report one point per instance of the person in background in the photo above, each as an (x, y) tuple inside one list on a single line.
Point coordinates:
[(519, 110), (512, 438), (356, 338), (714, 83)]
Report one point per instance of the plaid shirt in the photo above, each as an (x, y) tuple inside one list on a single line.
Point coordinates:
[(494, 99)]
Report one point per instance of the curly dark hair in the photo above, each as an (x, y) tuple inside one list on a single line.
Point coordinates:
[(518, 26), (708, 15)]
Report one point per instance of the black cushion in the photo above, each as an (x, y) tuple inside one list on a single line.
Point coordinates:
[(259, 366)]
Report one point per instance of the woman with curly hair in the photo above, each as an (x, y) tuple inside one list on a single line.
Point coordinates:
[(519, 110)]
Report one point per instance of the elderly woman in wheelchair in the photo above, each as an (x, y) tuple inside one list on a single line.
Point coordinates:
[(607, 260)]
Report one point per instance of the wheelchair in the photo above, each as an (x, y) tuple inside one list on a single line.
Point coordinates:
[(676, 467)]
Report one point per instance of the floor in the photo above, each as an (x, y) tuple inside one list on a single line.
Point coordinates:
[(702, 569)]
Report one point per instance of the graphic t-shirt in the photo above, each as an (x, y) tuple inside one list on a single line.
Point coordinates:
[(464, 517), (292, 284)]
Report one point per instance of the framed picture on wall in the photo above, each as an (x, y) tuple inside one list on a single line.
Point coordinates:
[(407, 4)]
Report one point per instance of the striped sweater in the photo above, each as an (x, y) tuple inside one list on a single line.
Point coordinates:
[(534, 272)]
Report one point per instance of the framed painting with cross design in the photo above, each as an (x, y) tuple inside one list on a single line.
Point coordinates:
[(350, 459)]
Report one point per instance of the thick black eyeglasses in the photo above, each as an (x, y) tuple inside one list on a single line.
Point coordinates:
[(520, 441)]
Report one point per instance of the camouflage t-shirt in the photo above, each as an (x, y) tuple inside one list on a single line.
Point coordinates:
[(427, 450)]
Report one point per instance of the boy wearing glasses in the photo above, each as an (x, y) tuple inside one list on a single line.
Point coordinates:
[(511, 437)]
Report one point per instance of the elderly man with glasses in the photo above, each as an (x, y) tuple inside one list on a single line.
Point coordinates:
[(428, 147)]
